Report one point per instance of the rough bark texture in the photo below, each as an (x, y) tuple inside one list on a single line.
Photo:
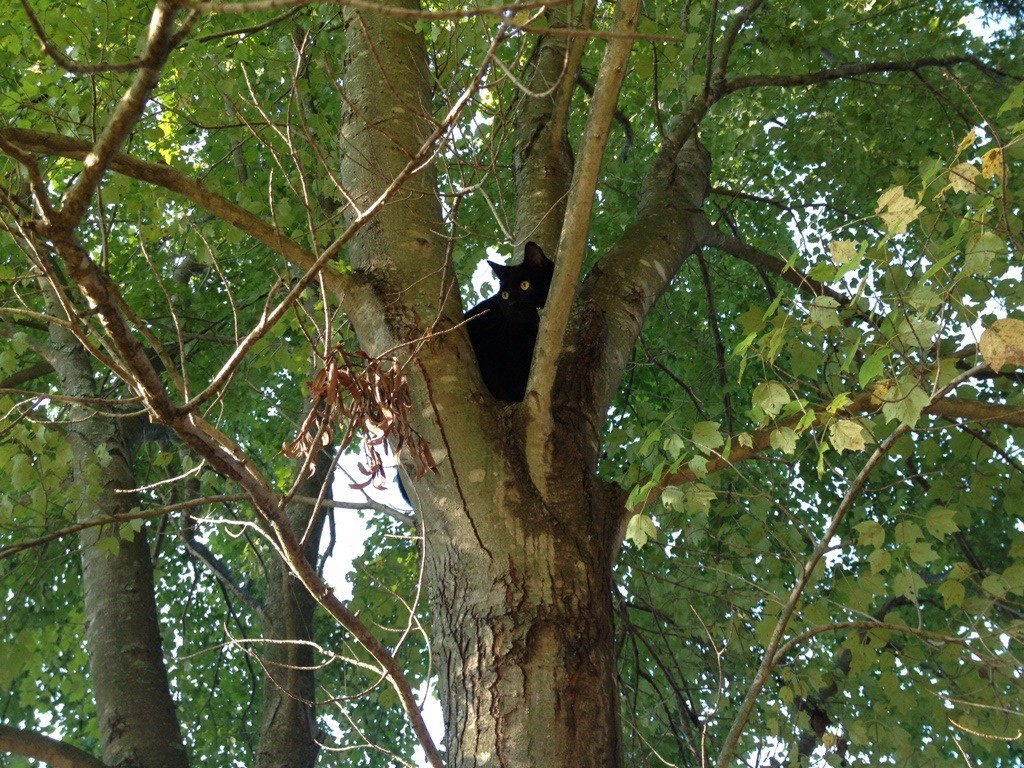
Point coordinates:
[(137, 718), (288, 730), (524, 633), (623, 287)]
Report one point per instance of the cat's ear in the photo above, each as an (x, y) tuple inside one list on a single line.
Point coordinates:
[(497, 268), (534, 255)]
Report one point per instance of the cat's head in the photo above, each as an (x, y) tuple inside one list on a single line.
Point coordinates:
[(523, 288)]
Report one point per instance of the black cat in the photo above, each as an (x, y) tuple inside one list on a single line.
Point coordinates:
[(503, 328)]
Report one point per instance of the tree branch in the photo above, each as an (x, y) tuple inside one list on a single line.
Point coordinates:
[(36, 746), (716, 77), (620, 291), (573, 241), (258, 6), (227, 498), (126, 114), (39, 142), (26, 375), (844, 71), (63, 61), (716, 334), (734, 246), (863, 404)]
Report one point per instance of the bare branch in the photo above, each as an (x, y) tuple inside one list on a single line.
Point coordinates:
[(126, 114), (844, 71)]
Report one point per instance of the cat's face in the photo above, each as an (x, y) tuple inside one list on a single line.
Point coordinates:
[(523, 288)]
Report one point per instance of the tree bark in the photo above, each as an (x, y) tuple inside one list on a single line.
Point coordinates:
[(523, 622), (54, 753), (542, 162)]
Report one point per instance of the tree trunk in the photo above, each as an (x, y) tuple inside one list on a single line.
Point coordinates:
[(524, 633), (519, 586), (288, 729), (138, 723)]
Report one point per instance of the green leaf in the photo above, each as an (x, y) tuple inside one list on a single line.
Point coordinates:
[(824, 311), (673, 498), (1014, 101), (641, 529), (897, 210), (699, 497), (707, 436), (994, 585), (839, 402), (952, 594), (19, 343), (770, 397), (698, 465), (871, 534), (20, 469), (908, 584), (981, 251), (842, 251), (904, 402), (940, 522), (873, 367), (1013, 578), (880, 560), (917, 332), (907, 532), (783, 439), (674, 446), (922, 553), (110, 545), (847, 435)]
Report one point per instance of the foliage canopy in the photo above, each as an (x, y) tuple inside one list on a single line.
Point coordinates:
[(824, 555)]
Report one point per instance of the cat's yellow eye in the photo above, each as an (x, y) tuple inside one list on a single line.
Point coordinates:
[(525, 285), (504, 294)]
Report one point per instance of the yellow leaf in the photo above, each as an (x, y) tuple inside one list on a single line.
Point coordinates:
[(963, 178), (967, 141), (897, 210), (992, 164), (842, 250), (1002, 343), (847, 435)]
